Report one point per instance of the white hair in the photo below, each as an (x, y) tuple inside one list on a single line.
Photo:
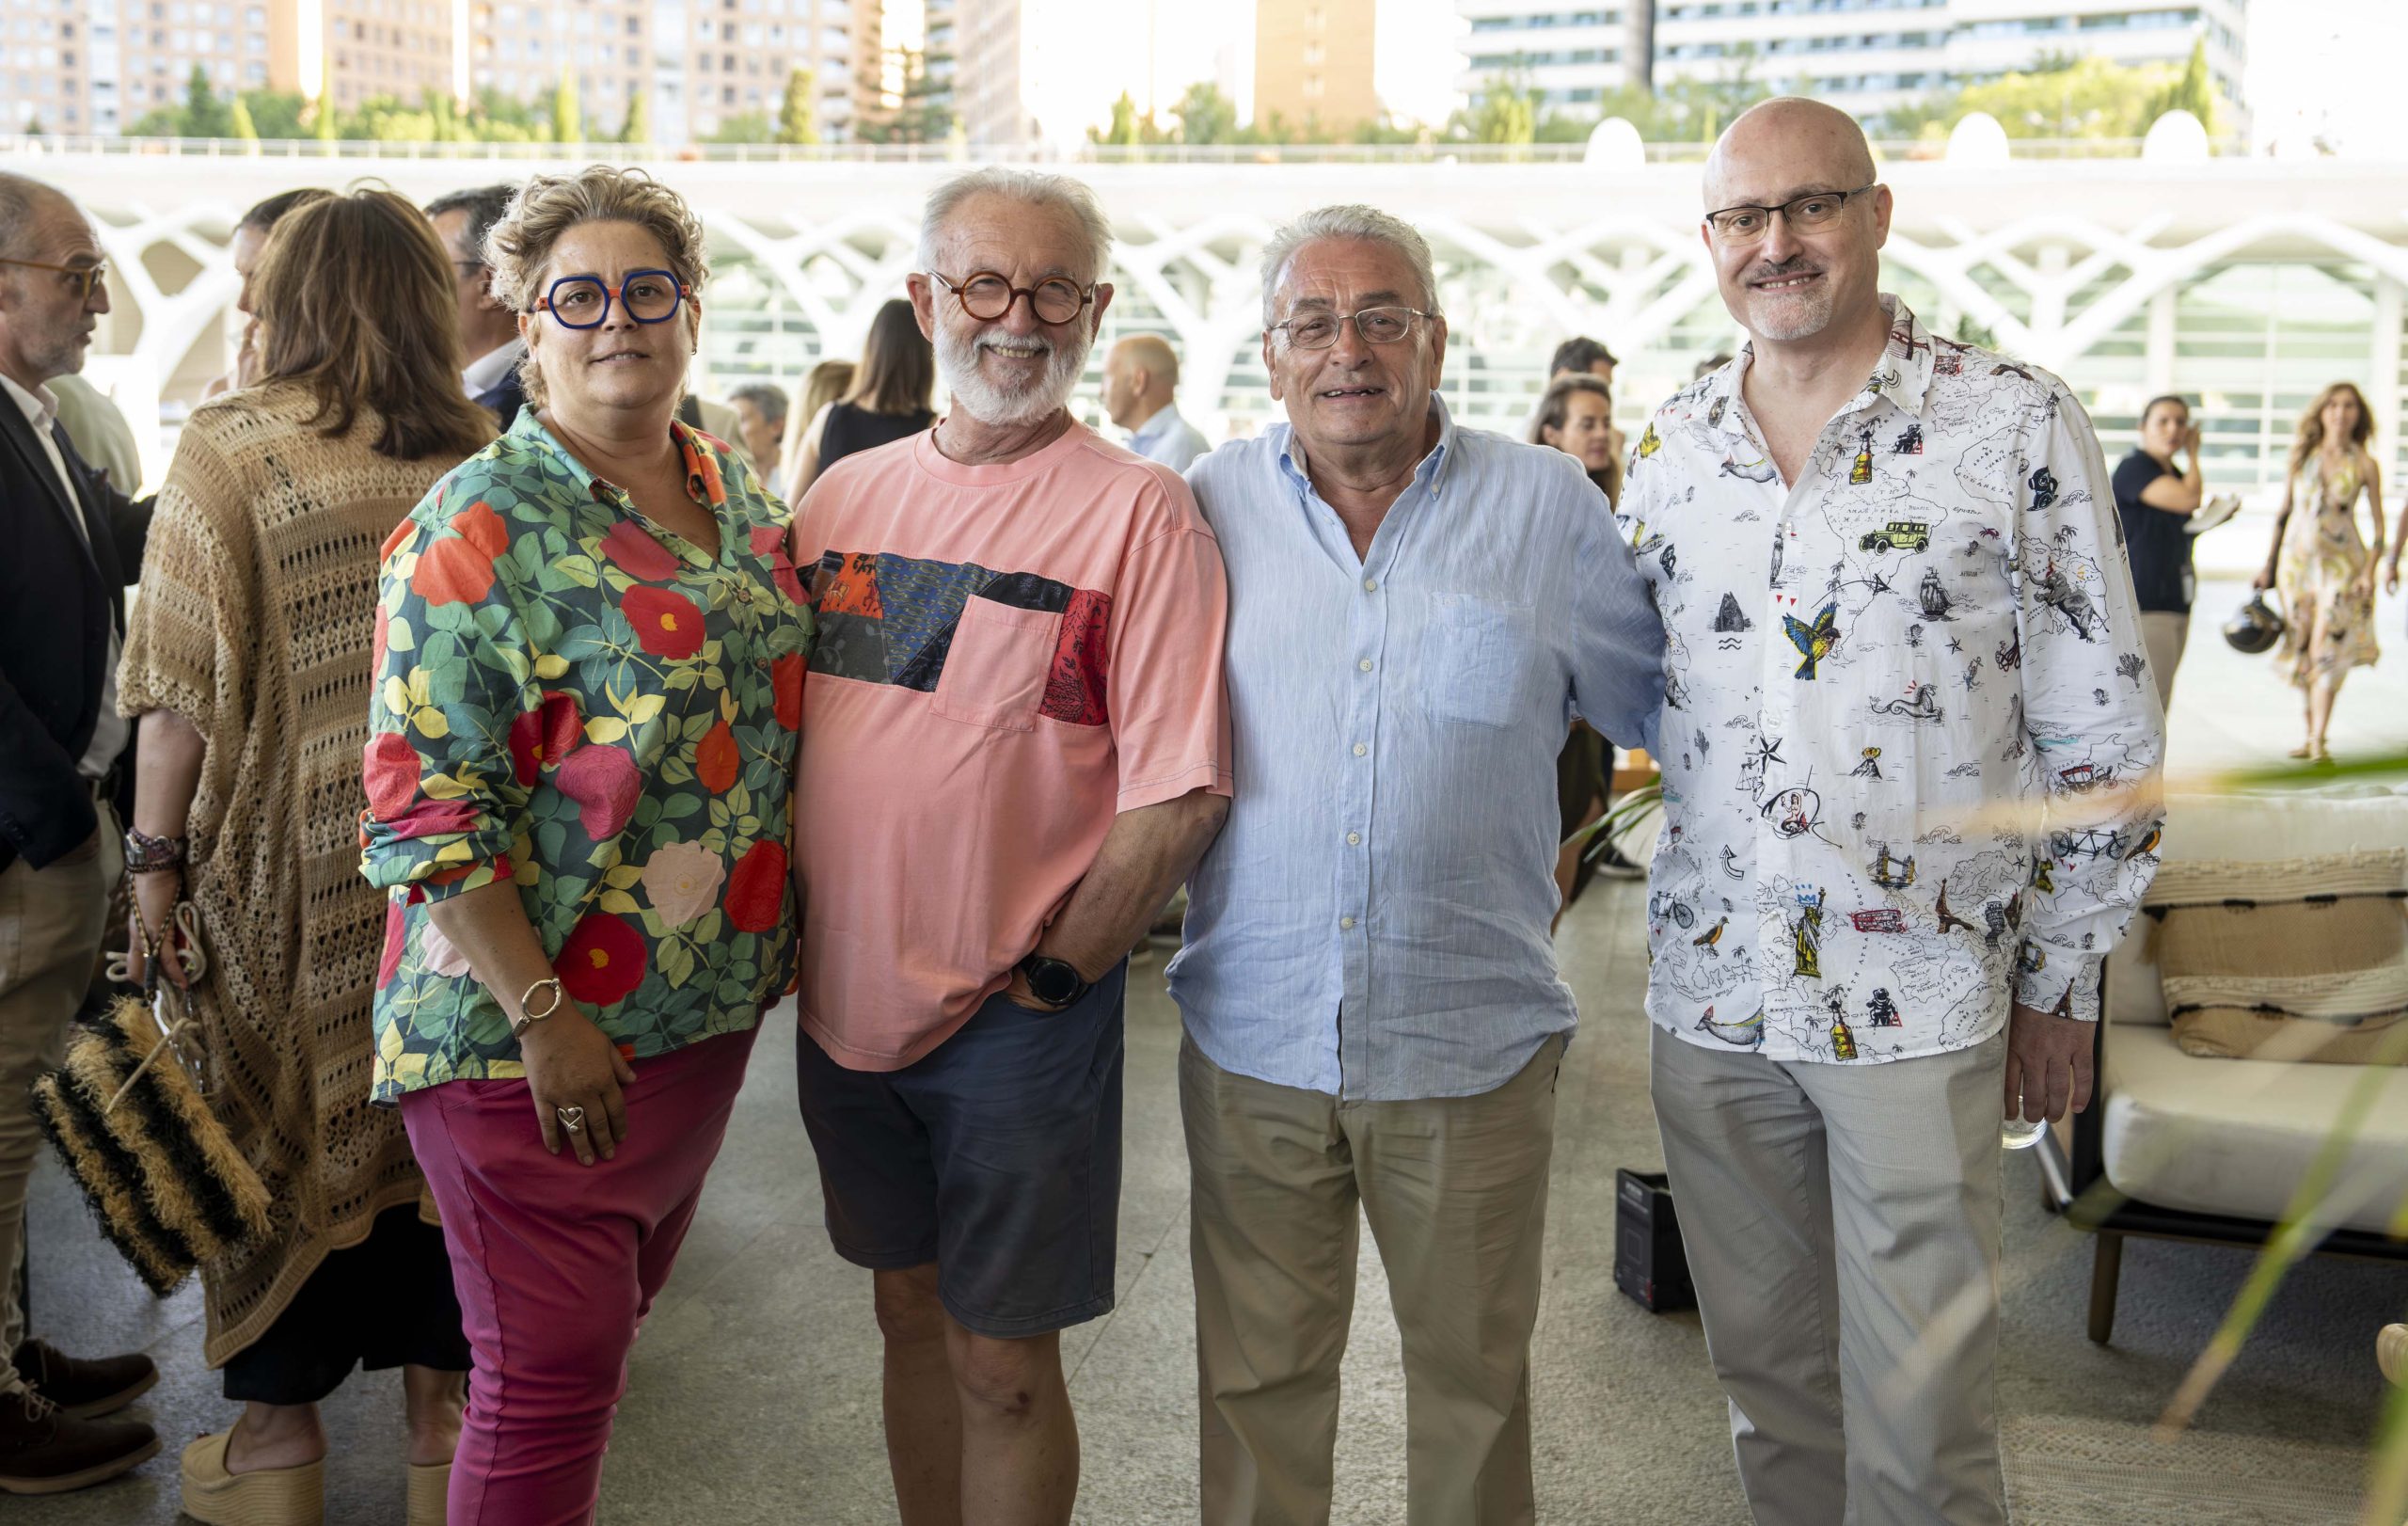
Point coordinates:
[(1033, 187), (1349, 220)]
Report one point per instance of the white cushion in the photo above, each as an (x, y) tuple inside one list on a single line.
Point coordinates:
[(2236, 1136), (2250, 824)]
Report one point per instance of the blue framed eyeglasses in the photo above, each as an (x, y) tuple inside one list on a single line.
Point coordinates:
[(649, 296)]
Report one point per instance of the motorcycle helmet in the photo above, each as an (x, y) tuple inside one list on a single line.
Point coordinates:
[(2255, 628)]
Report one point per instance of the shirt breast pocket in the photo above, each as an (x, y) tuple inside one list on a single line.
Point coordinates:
[(1474, 656), (995, 671)]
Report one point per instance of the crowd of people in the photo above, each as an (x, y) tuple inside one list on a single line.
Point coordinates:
[(517, 740)]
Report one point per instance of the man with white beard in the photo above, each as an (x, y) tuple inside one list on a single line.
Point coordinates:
[(1015, 746)]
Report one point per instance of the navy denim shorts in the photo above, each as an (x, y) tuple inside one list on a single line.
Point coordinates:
[(995, 1155)]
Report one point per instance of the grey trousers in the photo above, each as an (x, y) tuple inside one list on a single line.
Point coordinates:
[(1842, 1226)]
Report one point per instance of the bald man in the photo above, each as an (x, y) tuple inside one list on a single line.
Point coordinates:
[(1140, 376), (1910, 798)]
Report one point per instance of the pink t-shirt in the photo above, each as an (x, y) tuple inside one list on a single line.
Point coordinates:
[(1008, 657)]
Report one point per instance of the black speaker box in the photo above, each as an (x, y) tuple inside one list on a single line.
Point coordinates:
[(1648, 1264)]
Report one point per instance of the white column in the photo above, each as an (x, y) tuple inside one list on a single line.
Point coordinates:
[(2159, 362), (2383, 366)]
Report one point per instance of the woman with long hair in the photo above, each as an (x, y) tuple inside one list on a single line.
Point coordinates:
[(584, 729), (2324, 567), (1577, 417), (890, 399), (246, 657)]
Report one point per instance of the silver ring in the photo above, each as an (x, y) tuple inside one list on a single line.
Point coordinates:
[(571, 1118)]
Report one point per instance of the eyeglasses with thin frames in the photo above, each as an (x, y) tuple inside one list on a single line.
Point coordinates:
[(988, 295), (1375, 326), (83, 278), (1747, 223)]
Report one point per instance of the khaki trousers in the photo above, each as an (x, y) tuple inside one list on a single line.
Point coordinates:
[(1456, 1189), (51, 922), (2164, 634), (1842, 1225)]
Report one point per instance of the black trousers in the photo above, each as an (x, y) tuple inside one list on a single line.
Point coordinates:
[(385, 1302)]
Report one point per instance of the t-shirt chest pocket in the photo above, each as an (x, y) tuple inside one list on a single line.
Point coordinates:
[(996, 669)]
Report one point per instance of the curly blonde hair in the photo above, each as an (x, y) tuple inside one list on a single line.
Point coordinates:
[(520, 246)]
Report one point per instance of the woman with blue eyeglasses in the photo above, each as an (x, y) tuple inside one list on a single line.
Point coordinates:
[(590, 653)]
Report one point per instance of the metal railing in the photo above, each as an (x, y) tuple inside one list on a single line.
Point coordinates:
[(1433, 151)]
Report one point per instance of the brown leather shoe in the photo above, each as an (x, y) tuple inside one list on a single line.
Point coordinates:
[(86, 1389), (43, 1450)]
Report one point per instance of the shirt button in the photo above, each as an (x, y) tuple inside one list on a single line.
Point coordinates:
[(1370, 585), (1353, 839), (1365, 664), (1346, 924), (744, 594), (1360, 749)]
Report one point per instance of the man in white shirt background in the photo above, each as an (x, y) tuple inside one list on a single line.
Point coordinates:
[(489, 342), (1140, 384), (1910, 804)]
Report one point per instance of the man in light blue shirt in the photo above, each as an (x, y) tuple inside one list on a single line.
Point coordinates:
[(1373, 1011), (1140, 384)]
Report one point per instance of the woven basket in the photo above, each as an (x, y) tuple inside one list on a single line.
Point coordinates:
[(159, 1169)]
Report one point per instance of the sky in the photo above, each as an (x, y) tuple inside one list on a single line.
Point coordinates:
[(2329, 67)]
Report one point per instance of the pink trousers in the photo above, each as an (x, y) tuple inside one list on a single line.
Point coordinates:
[(556, 1265)]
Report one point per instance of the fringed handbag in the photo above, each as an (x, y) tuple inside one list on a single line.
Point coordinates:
[(130, 1115)]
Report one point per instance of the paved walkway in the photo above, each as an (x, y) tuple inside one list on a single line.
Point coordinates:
[(754, 1396)]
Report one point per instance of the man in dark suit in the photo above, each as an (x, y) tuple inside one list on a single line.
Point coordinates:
[(73, 543), (489, 342)]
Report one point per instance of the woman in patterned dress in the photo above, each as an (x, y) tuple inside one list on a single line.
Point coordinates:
[(2324, 570), (578, 777)]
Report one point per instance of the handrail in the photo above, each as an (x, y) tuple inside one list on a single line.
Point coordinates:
[(1436, 152)]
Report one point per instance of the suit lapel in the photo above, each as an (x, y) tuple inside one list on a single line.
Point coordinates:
[(36, 463)]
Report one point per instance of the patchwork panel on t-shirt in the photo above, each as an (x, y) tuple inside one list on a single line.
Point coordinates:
[(889, 619)]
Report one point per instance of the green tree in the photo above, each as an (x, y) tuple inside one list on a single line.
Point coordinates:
[(276, 114), (324, 124), (2086, 97), (33, 127), (205, 115), (240, 124), (799, 113), (1127, 127), (920, 112), (1205, 115), (638, 127), (745, 127), (1504, 112), (568, 119), (2193, 93)]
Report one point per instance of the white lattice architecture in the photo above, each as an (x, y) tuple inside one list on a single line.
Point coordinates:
[(2246, 283)]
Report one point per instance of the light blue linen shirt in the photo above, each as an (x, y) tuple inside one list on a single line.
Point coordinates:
[(1170, 439), (1372, 921)]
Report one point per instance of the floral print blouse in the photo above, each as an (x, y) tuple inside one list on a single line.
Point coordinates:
[(599, 710)]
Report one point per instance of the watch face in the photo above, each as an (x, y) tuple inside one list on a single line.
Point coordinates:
[(1055, 982)]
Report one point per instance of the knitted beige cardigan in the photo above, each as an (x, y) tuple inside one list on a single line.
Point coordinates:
[(255, 623)]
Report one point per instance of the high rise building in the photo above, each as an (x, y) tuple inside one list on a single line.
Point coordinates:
[(1313, 63), (1867, 55), (97, 66)]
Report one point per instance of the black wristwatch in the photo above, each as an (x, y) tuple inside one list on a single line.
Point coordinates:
[(1053, 981)]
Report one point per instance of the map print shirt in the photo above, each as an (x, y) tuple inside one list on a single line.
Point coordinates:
[(575, 700), (1909, 738)]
